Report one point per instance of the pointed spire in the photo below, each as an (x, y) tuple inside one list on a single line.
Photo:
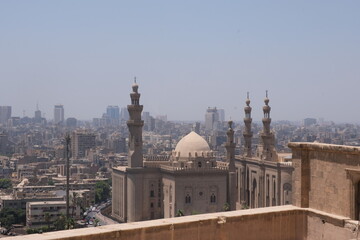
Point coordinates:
[(266, 99)]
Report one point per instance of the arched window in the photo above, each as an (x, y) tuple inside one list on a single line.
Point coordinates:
[(187, 199), (212, 198)]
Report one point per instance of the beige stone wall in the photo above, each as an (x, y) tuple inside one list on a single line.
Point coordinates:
[(273, 223), (321, 180), (200, 188), (119, 195), (251, 171)]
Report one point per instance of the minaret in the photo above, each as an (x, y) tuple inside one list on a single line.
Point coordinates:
[(268, 141), (135, 125), (230, 149), (247, 131)]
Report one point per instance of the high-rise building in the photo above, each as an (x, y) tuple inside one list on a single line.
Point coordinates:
[(81, 142), (113, 113), (59, 114), (71, 122), (37, 115), (5, 114), (124, 116), (221, 113), (147, 121), (309, 121), (211, 119)]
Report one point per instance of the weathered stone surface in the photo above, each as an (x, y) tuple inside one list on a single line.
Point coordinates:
[(326, 177)]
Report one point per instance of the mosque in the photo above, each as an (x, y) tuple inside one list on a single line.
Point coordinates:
[(192, 181)]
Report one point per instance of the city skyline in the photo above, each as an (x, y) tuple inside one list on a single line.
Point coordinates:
[(187, 57)]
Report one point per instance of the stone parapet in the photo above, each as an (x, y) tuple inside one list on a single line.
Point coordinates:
[(277, 223), (323, 147)]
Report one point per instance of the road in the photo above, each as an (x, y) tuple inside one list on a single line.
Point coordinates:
[(103, 220)]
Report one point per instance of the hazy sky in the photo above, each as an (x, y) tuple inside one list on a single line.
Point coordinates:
[(187, 56)]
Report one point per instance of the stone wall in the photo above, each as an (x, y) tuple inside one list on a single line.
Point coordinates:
[(326, 177), (272, 223)]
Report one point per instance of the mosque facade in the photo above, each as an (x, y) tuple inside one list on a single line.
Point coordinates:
[(191, 180)]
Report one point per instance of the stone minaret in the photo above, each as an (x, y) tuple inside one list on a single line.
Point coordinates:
[(230, 149), (135, 125), (247, 131), (267, 137)]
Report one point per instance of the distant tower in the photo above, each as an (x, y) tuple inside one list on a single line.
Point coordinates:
[(247, 131), (37, 117), (267, 148), (211, 119), (113, 112), (230, 149), (135, 125), (59, 114), (5, 114)]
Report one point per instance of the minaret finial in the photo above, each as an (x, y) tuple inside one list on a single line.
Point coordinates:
[(135, 79), (230, 122), (247, 95), (266, 93)]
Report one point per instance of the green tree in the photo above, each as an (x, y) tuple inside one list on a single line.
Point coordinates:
[(9, 216), (5, 183), (60, 223), (51, 182), (74, 202), (47, 219), (102, 191)]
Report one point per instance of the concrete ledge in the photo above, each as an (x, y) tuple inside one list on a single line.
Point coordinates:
[(323, 147), (277, 223)]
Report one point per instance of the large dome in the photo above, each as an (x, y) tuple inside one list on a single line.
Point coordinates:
[(192, 145)]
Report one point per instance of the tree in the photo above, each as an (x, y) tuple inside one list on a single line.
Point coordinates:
[(47, 218), (74, 202), (5, 183), (102, 191), (9, 216), (60, 223)]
